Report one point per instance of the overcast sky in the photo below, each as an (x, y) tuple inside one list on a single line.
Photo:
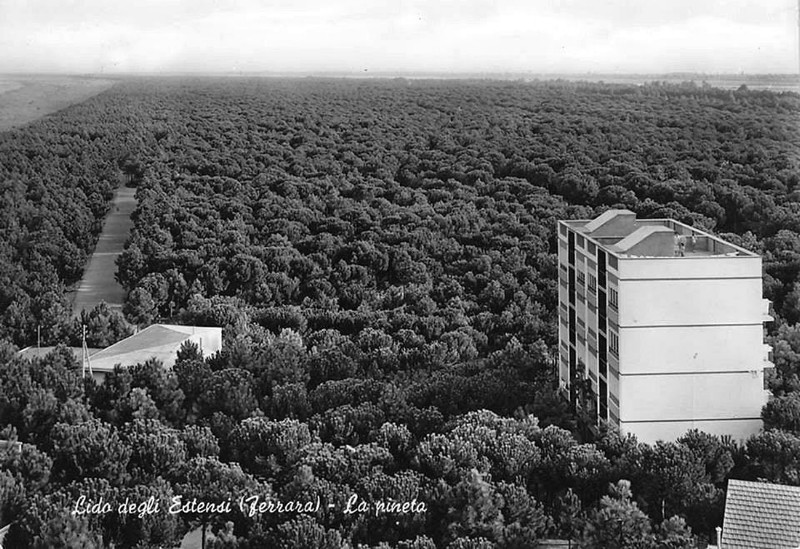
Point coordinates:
[(618, 36)]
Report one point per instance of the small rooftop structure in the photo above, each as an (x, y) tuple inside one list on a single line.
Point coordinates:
[(611, 222), (648, 240), (759, 515), (620, 233)]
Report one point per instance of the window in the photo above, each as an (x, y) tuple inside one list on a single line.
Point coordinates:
[(580, 241), (572, 319), (603, 390), (592, 284), (613, 298), (571, 247), (601, 268), (613, 343), (571, 286), (581, 278), (602, 310)]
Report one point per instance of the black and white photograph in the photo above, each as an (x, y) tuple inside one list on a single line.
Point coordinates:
[(400, 274)]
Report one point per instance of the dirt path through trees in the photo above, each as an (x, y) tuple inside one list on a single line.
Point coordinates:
[(98, 282)]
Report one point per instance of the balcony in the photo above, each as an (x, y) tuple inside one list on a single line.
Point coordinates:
[(766, 311), (767, 360)]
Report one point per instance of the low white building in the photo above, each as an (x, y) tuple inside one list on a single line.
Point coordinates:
[(158, 341), (666, 322)]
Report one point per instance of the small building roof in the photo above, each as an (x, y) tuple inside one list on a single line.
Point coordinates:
[(608, 216), (759, 515), (639, 236), (158, 341), (40, 352)]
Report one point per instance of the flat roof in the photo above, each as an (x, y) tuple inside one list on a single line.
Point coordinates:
[(620, 233)]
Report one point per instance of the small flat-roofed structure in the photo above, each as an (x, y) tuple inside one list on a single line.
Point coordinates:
[(158, 341), (759, 515)]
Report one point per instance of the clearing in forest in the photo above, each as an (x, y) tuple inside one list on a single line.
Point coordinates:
[(24, 98)]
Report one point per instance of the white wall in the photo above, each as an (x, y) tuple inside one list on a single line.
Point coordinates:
[(690, 267), (675, 320), (692, 349), (739, 430), (683, 397), (209, 339), (690, 302)]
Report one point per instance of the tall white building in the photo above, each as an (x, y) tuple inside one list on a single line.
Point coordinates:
[(665, 324)]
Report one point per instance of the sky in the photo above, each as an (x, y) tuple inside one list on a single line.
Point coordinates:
[(401, 36)]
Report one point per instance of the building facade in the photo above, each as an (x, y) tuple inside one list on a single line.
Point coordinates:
[(661, 327)]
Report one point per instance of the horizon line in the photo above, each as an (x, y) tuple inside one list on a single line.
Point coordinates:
[(407, 73)]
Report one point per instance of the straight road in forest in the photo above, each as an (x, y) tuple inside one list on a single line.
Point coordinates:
[(98, 282)]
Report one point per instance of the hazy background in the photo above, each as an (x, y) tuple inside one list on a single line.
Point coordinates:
[(602, 36)]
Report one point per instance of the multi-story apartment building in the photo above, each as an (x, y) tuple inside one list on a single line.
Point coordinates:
[(664, 325)]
